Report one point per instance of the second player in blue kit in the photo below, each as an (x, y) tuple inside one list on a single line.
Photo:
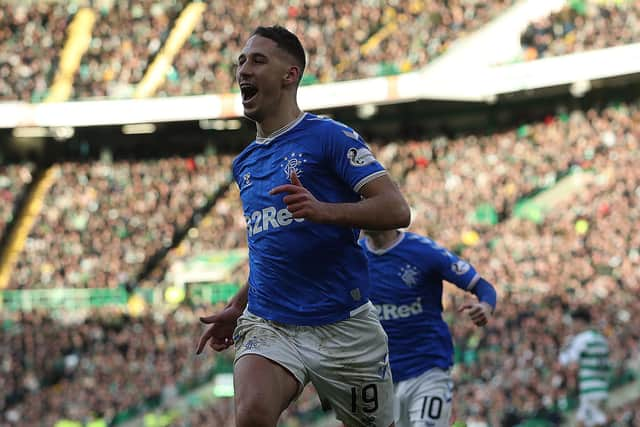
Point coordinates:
[(406, 272)]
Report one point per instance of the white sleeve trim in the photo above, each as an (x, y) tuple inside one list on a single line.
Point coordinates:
[(368, 179), (473, 282)]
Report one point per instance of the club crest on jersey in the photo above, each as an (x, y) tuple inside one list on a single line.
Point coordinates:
[(293, 163), (360, 156), (409, 275), (246, 180), (460, 267)]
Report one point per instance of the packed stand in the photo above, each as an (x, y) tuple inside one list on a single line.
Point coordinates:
[(95, 367), (450, 178), (222, 228), (584, 251), (13, 180), (582, 25), (205, 63), (126, 37), (31, 37), (103, 220)]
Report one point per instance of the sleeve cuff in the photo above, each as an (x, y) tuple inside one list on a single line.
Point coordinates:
[(368, 179)]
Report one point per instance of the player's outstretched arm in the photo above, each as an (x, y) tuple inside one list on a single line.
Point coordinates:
[(383, 207), (220, 334), (481, 311)]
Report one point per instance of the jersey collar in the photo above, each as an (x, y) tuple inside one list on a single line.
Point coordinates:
[(383, 251), (284, 129)]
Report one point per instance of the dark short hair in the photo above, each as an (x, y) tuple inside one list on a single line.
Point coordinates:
[(286, 41), (582, 313)]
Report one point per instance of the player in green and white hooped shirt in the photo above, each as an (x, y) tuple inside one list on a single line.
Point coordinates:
[(590, 350)]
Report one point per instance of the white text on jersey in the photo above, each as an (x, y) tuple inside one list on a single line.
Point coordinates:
[(393, 311), (268, 218)]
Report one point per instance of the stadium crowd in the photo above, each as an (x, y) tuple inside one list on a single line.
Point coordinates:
[(127, 35), (13, 180), (125, 38), (95, 366), (31, 37), (364, 37), (582, 25), (103, 220)]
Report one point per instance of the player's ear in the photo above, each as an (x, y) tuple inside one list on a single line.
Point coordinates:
[(292, 76)]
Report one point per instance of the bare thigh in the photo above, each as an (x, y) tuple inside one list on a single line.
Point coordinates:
[(263, 390)]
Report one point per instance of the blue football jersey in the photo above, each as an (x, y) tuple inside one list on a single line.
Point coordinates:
[(406, 288), (304, 273)]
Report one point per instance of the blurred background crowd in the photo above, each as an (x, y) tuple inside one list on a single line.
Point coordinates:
[(547, 210), (581, 26), (345, 40)]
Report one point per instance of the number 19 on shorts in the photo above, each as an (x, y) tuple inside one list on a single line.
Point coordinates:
[(367, 399)]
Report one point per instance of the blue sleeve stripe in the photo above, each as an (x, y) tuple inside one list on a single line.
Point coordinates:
[(368, 179)]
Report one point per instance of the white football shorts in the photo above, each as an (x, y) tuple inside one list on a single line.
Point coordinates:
[(424, 401), (347, 362)]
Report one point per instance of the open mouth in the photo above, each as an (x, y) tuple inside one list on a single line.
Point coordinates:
[(248, 92)]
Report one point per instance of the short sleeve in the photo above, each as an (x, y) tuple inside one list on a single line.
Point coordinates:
[(351, 158), (453, 269)]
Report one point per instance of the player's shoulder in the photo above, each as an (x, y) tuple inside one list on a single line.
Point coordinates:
[(417, 240), (427, 249), (412, 246), (330, 127)]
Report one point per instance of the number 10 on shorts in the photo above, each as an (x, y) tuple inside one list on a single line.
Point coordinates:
[(431, 407), (367, 399)]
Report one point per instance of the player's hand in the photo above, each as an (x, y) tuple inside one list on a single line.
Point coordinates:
[(300, 202), (479, 312), (220, 333)]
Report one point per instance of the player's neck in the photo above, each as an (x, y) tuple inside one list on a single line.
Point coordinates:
[(274, 123), (383, 240)]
